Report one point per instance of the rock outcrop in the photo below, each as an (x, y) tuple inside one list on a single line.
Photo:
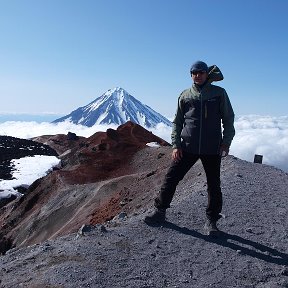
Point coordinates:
[(98, 178)]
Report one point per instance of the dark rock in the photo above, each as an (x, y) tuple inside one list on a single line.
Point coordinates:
[(84, 229), (72, 136), (160, 155), (5, 244), (5, 201), (103, 229), (22, 189)]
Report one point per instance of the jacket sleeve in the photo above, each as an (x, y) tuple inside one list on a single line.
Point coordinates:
[(227, 115), (177, 126)]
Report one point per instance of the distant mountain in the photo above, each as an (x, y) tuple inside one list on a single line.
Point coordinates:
[(116, 106)]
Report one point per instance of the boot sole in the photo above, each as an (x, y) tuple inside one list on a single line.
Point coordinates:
[(213, 233)]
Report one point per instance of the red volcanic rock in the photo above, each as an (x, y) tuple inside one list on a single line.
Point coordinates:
[(100, 176), (106, 154), (60, 142)]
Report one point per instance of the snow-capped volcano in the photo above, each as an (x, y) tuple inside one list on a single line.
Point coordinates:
[(116, 106)]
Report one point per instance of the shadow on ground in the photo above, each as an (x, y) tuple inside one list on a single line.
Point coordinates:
[(237, 243)]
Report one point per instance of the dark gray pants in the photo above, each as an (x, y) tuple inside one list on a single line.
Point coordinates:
[(178, 170)]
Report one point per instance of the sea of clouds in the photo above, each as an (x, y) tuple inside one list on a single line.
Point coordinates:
[(263, 135)]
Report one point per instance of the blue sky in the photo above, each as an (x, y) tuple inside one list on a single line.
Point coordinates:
[(58, 55)]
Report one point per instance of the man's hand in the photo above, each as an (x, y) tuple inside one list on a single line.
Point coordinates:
[(177, 154), (224, 150)]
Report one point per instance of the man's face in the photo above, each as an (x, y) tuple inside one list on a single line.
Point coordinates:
[(199, 77)]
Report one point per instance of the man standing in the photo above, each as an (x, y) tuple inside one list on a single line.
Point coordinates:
[(197, 134)]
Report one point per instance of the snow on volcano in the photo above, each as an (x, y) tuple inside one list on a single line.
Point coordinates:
[(116, 106)]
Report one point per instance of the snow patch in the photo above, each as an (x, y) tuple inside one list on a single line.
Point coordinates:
[(153, 144), (27, 170)]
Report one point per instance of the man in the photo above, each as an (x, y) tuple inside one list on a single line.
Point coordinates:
[(197, 134)]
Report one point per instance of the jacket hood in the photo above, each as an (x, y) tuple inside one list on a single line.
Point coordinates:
[(214, 74)]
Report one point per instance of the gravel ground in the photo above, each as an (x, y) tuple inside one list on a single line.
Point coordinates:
[(252, 250)]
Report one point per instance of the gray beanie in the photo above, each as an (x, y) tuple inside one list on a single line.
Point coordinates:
[(199, 66)]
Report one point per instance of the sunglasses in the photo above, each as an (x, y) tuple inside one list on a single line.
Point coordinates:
[(198, 72)]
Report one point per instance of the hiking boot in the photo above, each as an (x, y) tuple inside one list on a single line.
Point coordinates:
[(211, 228), (157, 217)]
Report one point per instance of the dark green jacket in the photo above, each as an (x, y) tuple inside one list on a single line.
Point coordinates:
[(200, 113)]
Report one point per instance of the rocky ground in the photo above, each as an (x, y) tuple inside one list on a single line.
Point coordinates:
[(117, 249)]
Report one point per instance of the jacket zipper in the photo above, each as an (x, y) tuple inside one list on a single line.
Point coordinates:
[(200, 132)]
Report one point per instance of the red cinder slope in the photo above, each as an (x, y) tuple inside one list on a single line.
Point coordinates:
[(105, 155), (100, 177)]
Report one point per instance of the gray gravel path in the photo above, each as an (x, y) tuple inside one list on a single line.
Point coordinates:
[(251, 252)]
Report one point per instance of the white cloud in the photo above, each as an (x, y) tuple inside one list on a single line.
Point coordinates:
[(163, 131), (263, 135), (31, 129)]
